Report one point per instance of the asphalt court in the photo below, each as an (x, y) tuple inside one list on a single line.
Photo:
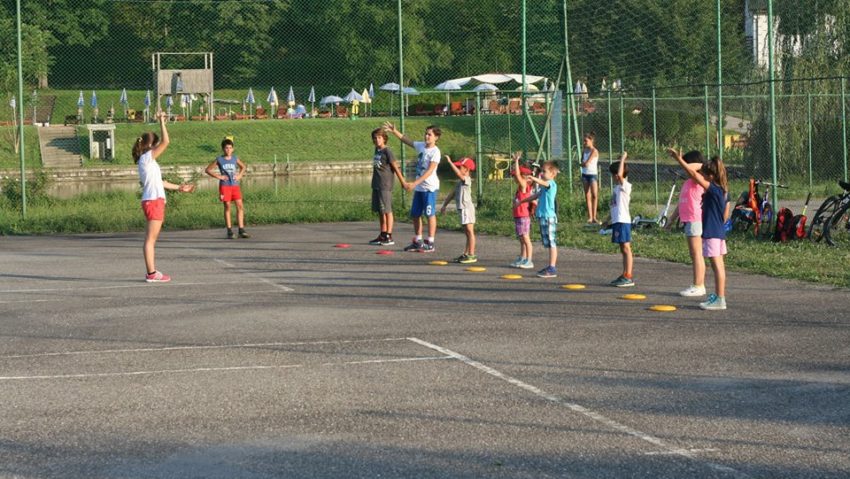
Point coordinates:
[(282, 356)]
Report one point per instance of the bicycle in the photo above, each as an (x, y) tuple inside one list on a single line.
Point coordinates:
[(821, 221), (834, 223), (754, 209)]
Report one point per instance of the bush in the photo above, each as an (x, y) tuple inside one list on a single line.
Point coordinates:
[(36, 189)]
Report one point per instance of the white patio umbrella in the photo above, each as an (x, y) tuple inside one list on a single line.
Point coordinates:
[(250, 100), (123, 101), (290, 98), (168, 103), (486, 87), (408, 92), (147, 105), (312, 99), (272, 99), (366, 98), (448, 86), (330, 99), (353, 96), (371, 96), (94, 107), (81, 103), (393, 87)]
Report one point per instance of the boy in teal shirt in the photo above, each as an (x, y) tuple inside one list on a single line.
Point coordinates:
[(546, 215)]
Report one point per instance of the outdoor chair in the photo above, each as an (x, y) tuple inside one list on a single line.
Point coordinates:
[(457, 108), (538, 108), (241, 116), (261, 114), (324, 114), (440, 110), (515, 106), (222, 116), (281, 112), (421, 110), (495, 107), (342, 112)]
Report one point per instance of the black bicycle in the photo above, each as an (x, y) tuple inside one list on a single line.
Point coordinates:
[(827, 222)]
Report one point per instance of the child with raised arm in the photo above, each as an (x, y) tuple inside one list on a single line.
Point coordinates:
[(146, 150), (228, 169), (462, 194), (621, 219), (424, 187), (690, 214), (712, 177), (384, 170), (522, 214), (546, 215)]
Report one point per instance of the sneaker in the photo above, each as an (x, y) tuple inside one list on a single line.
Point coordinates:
[(459, 259), (526, 264), (622, 282), (414, 245), (243, 234), (714, 303), (377, 241), (229, 234), (468, 259), (427, 247), (387, 241), (693, 291), (157, 277), (518, 261), (547, 272)]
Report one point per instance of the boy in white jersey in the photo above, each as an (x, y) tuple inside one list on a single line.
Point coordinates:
[(621, 219), (424, 187)]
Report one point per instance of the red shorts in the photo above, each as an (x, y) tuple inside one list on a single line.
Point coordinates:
[(229, 193), (154, 209)]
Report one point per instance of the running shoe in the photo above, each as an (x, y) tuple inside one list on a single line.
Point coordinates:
[(377, 241), (387, 241), (693, 291), (622, 282), (427, 247), (547, 272), (714, 303), (157, 277), (468, 259), (415, 245), (229, 233), (526, 264), (243, 234), (517, 262)]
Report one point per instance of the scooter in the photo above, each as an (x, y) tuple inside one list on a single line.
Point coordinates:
[(660, 220)]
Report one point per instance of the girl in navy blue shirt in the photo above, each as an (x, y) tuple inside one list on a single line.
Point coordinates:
[(712, 177)]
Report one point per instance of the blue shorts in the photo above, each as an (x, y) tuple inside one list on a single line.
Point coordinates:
[(548, 232), (589, 178), (621, 233), (424, 203)]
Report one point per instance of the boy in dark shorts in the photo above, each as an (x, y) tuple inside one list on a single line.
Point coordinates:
[(383, 171)]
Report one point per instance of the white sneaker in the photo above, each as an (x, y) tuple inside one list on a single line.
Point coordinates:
[(516, 262), (714, 303), (693, 291)]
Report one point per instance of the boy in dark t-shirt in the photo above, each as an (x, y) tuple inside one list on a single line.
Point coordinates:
[(384, 168), (228, 169)]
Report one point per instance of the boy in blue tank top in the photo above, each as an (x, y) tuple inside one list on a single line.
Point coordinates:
[(228, 169)]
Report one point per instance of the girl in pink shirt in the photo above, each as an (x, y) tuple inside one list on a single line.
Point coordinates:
[(690, 213)]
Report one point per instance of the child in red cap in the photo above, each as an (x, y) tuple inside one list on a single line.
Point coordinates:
[(462, 194), (522, 214)]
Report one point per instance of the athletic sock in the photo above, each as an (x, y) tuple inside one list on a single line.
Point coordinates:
[(152, 273), (418, 238), (627, 275), (431, 239)]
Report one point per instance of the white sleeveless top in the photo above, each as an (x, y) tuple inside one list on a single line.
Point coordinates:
[(151, 177), (592, 168)]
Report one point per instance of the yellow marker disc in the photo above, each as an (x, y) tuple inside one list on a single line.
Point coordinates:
[(665, 308), (633, 297), (574, 286), (438, 263), (476, 269), (511, 276)]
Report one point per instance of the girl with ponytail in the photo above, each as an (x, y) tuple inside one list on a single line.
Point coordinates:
[(146, 150)]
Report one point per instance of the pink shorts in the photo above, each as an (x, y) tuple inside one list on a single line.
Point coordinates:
[(154, 209), (522, 226), (713, 247), (229, 193)]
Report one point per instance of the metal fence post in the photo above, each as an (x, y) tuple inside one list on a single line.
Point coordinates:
[(720, 137), (707, 124), (844, 122), (22, 144), (772, 76), (622, 123), (479, 153), (401, 92), (809, 136), (655, 144), (610, 140)]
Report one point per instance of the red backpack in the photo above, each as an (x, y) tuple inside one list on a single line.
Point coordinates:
[(786, 226)]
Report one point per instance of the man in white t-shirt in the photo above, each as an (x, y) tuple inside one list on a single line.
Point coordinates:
[(424, 187), (621, 220)]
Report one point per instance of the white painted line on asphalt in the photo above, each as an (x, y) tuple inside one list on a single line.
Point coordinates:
[(668, 449), (276, 285), (666, 453), (33, 301), (190, 348), (219, 369)]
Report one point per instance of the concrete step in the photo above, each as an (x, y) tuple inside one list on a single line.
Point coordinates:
[(60, 147)]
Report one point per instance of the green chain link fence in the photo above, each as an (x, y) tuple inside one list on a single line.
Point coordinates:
[(643, 75)]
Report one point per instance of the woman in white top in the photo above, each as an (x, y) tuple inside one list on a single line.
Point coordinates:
[(145, 152), (590, 177)]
